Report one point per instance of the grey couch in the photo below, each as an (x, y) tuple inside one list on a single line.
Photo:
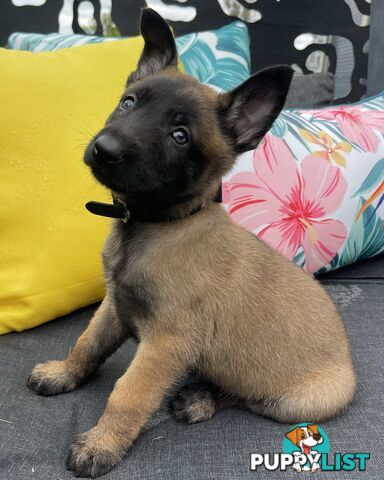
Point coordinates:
[(35, 431)]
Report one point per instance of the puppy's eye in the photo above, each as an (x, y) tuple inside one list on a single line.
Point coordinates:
[(128, 102), (180, 136)]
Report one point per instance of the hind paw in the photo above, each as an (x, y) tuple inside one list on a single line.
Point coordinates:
[(194, 403)]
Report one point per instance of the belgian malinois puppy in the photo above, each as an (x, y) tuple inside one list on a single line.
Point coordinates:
[(196, 290)]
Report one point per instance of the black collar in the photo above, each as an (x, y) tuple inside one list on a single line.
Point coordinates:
[(120, 211), (117, 210)]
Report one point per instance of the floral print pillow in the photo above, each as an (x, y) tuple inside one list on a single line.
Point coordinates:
[(314, 188)]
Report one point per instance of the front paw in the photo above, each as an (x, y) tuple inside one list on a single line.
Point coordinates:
[(51, 378), (92, 454)]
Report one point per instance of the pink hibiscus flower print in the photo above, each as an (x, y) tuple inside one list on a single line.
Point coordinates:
[(288, 206), (356, 124)]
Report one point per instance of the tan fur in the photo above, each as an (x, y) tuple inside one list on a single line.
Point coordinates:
[(242, 315), (251, 310)]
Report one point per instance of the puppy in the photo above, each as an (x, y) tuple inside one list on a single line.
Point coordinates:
[(306, 438), (196, 290)]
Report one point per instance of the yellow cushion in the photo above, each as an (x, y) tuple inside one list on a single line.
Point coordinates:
[(51, 105)]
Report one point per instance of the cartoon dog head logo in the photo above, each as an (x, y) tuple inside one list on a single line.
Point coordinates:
[(305, 438), (306, 442)]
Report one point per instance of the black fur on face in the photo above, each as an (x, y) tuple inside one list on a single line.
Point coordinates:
[(170, 139), (152, 143)]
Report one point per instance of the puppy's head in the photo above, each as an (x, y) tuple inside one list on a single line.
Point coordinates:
[(305, 437), (170, 138)]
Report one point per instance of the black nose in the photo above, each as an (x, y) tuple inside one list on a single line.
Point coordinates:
[(317, 436), (107, 148)]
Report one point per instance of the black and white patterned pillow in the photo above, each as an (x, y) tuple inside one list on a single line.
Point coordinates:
[(296, 32)]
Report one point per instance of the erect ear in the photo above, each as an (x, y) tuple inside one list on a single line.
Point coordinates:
[(293, 435), (159, 46), (248, 112)]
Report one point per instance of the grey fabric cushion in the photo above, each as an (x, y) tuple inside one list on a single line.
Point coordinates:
[(367, 270), (311, 91), (376, 49), (36, 431)]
